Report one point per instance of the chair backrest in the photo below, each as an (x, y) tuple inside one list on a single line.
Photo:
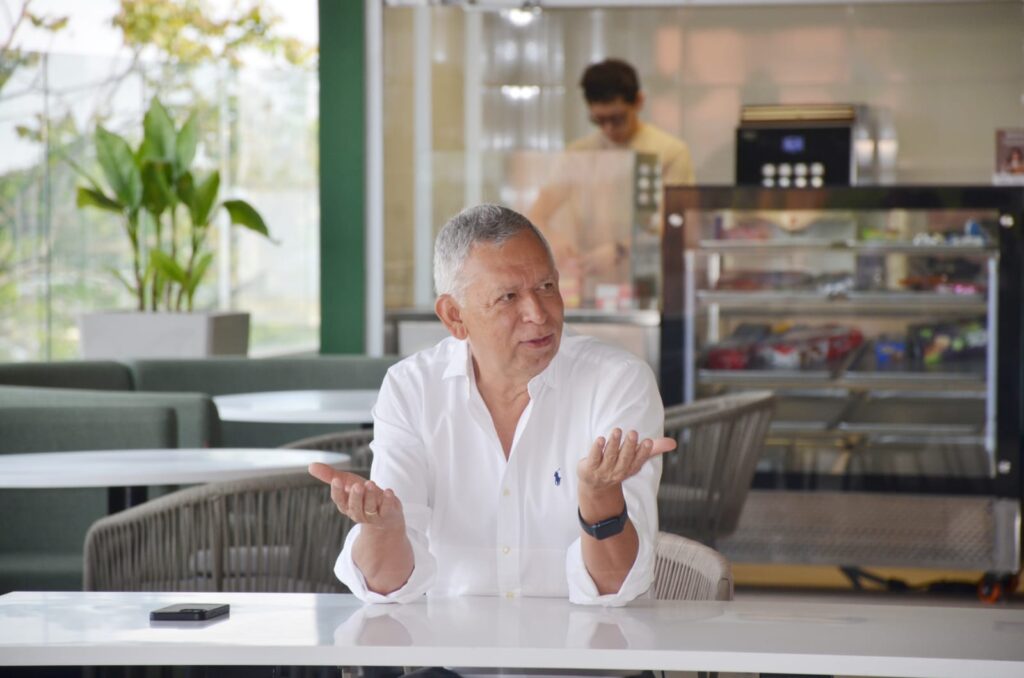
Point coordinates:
[(227, 375), (278, 533), (706, 479), (685, 569), (221, 375), (197, 419), (100, 375), (355, 442)]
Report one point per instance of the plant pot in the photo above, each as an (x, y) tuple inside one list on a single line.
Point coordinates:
[(119, 335)]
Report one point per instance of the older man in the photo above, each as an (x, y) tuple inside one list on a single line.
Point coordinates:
[(508, 460)]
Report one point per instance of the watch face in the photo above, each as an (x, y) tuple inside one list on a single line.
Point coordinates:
[(609, 527)]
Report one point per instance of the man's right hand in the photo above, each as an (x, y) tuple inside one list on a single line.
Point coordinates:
[(361, 499)]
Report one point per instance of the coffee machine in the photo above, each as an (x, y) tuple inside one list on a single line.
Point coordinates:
[(812, 146)]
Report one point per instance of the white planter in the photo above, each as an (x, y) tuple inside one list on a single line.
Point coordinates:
[(131, 334)]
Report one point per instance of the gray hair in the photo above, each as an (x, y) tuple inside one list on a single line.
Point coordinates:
[(491, 224)]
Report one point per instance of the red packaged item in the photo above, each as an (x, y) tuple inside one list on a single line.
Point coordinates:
[(724, 357)]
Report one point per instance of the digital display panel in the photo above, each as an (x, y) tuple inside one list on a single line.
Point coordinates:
[(793, 143)]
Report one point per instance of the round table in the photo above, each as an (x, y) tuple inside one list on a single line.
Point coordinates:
[(123, 471), (299, 407)]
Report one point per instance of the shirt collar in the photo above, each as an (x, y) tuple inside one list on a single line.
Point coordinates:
[(460, 364)]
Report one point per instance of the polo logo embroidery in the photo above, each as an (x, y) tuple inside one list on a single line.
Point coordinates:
[(558, 477)]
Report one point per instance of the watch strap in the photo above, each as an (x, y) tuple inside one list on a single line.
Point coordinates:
[(602, 529)]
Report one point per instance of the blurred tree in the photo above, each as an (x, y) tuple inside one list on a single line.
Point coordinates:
[(186, 32), (11, 58)]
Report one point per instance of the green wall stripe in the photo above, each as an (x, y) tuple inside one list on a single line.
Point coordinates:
[(342, 179)]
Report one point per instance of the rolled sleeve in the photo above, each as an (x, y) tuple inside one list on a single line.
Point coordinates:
[(632, 401), (423, 573), (641, 503), (400, 464)]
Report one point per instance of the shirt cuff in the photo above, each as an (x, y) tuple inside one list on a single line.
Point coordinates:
[(422, 578), (583, 590)]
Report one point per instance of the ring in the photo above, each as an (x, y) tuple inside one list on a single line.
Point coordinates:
[(370, 513)]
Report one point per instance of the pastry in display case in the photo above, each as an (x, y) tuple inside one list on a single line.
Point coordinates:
[(885, 319)]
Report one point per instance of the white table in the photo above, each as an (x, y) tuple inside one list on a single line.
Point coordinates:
[(75, 628), (298, 407), (120, 469)]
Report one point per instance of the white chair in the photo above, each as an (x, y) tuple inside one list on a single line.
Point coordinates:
[(685, 569)]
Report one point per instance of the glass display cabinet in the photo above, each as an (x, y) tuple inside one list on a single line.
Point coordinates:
[(887, 321)]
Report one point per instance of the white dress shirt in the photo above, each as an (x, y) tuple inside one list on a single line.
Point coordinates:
[(481, 525)]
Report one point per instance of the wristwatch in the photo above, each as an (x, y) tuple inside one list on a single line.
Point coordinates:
[(602, 529)]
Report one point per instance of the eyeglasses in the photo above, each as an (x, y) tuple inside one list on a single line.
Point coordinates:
[(612, 120)]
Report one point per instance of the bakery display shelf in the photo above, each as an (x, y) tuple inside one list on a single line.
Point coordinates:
[(926, 303), (741, 246)]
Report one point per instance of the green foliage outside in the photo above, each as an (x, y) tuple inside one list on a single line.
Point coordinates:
[(184, 51)]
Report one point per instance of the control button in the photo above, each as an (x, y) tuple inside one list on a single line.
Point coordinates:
[(800, 169), (800, 182), (784, 182), (785, 170), (768, 170), (817, 169), (816, 182), (768, 183), (643, 183)]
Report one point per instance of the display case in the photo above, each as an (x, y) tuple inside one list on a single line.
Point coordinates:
[(886, 319)]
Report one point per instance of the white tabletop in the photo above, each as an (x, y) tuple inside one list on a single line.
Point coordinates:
[(75, 628), (298, 407), (171, 466)]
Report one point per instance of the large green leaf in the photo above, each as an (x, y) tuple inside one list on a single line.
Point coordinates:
[(118, 164), (157, 194), (244, 214), (204, 198), (168, 267), (198, 271), (185, 145), (90, 197), (159, 139)]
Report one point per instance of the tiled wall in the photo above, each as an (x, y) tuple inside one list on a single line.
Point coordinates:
[(947, 74)]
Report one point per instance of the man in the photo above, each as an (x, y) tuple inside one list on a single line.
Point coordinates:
[(614, 101), (508, 460), (611, 89)]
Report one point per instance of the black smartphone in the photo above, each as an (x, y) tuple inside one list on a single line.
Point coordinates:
[(190, 612)]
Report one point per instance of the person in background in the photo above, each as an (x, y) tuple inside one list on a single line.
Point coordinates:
[(507, 460), (614, 98)]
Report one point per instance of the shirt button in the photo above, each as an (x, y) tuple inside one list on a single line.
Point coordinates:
[(506, 492), (505, 550), (510, 595)]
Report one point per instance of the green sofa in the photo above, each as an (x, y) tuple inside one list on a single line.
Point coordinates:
[(145, 403), (43, 530), (221, 376)]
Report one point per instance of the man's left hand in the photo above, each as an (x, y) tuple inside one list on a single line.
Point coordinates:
[(612, 461)]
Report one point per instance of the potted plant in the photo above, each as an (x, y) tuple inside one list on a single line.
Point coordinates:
[(167, 210)]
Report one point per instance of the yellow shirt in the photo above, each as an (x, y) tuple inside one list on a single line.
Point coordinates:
[(674, 154)]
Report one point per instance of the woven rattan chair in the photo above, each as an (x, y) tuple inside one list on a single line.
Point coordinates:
[(685, 569), (705, 481), (355, 442), (277, 533)]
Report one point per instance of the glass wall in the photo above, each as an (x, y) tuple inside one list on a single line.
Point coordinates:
[(68, 67), (462, 82), (258, 128)]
